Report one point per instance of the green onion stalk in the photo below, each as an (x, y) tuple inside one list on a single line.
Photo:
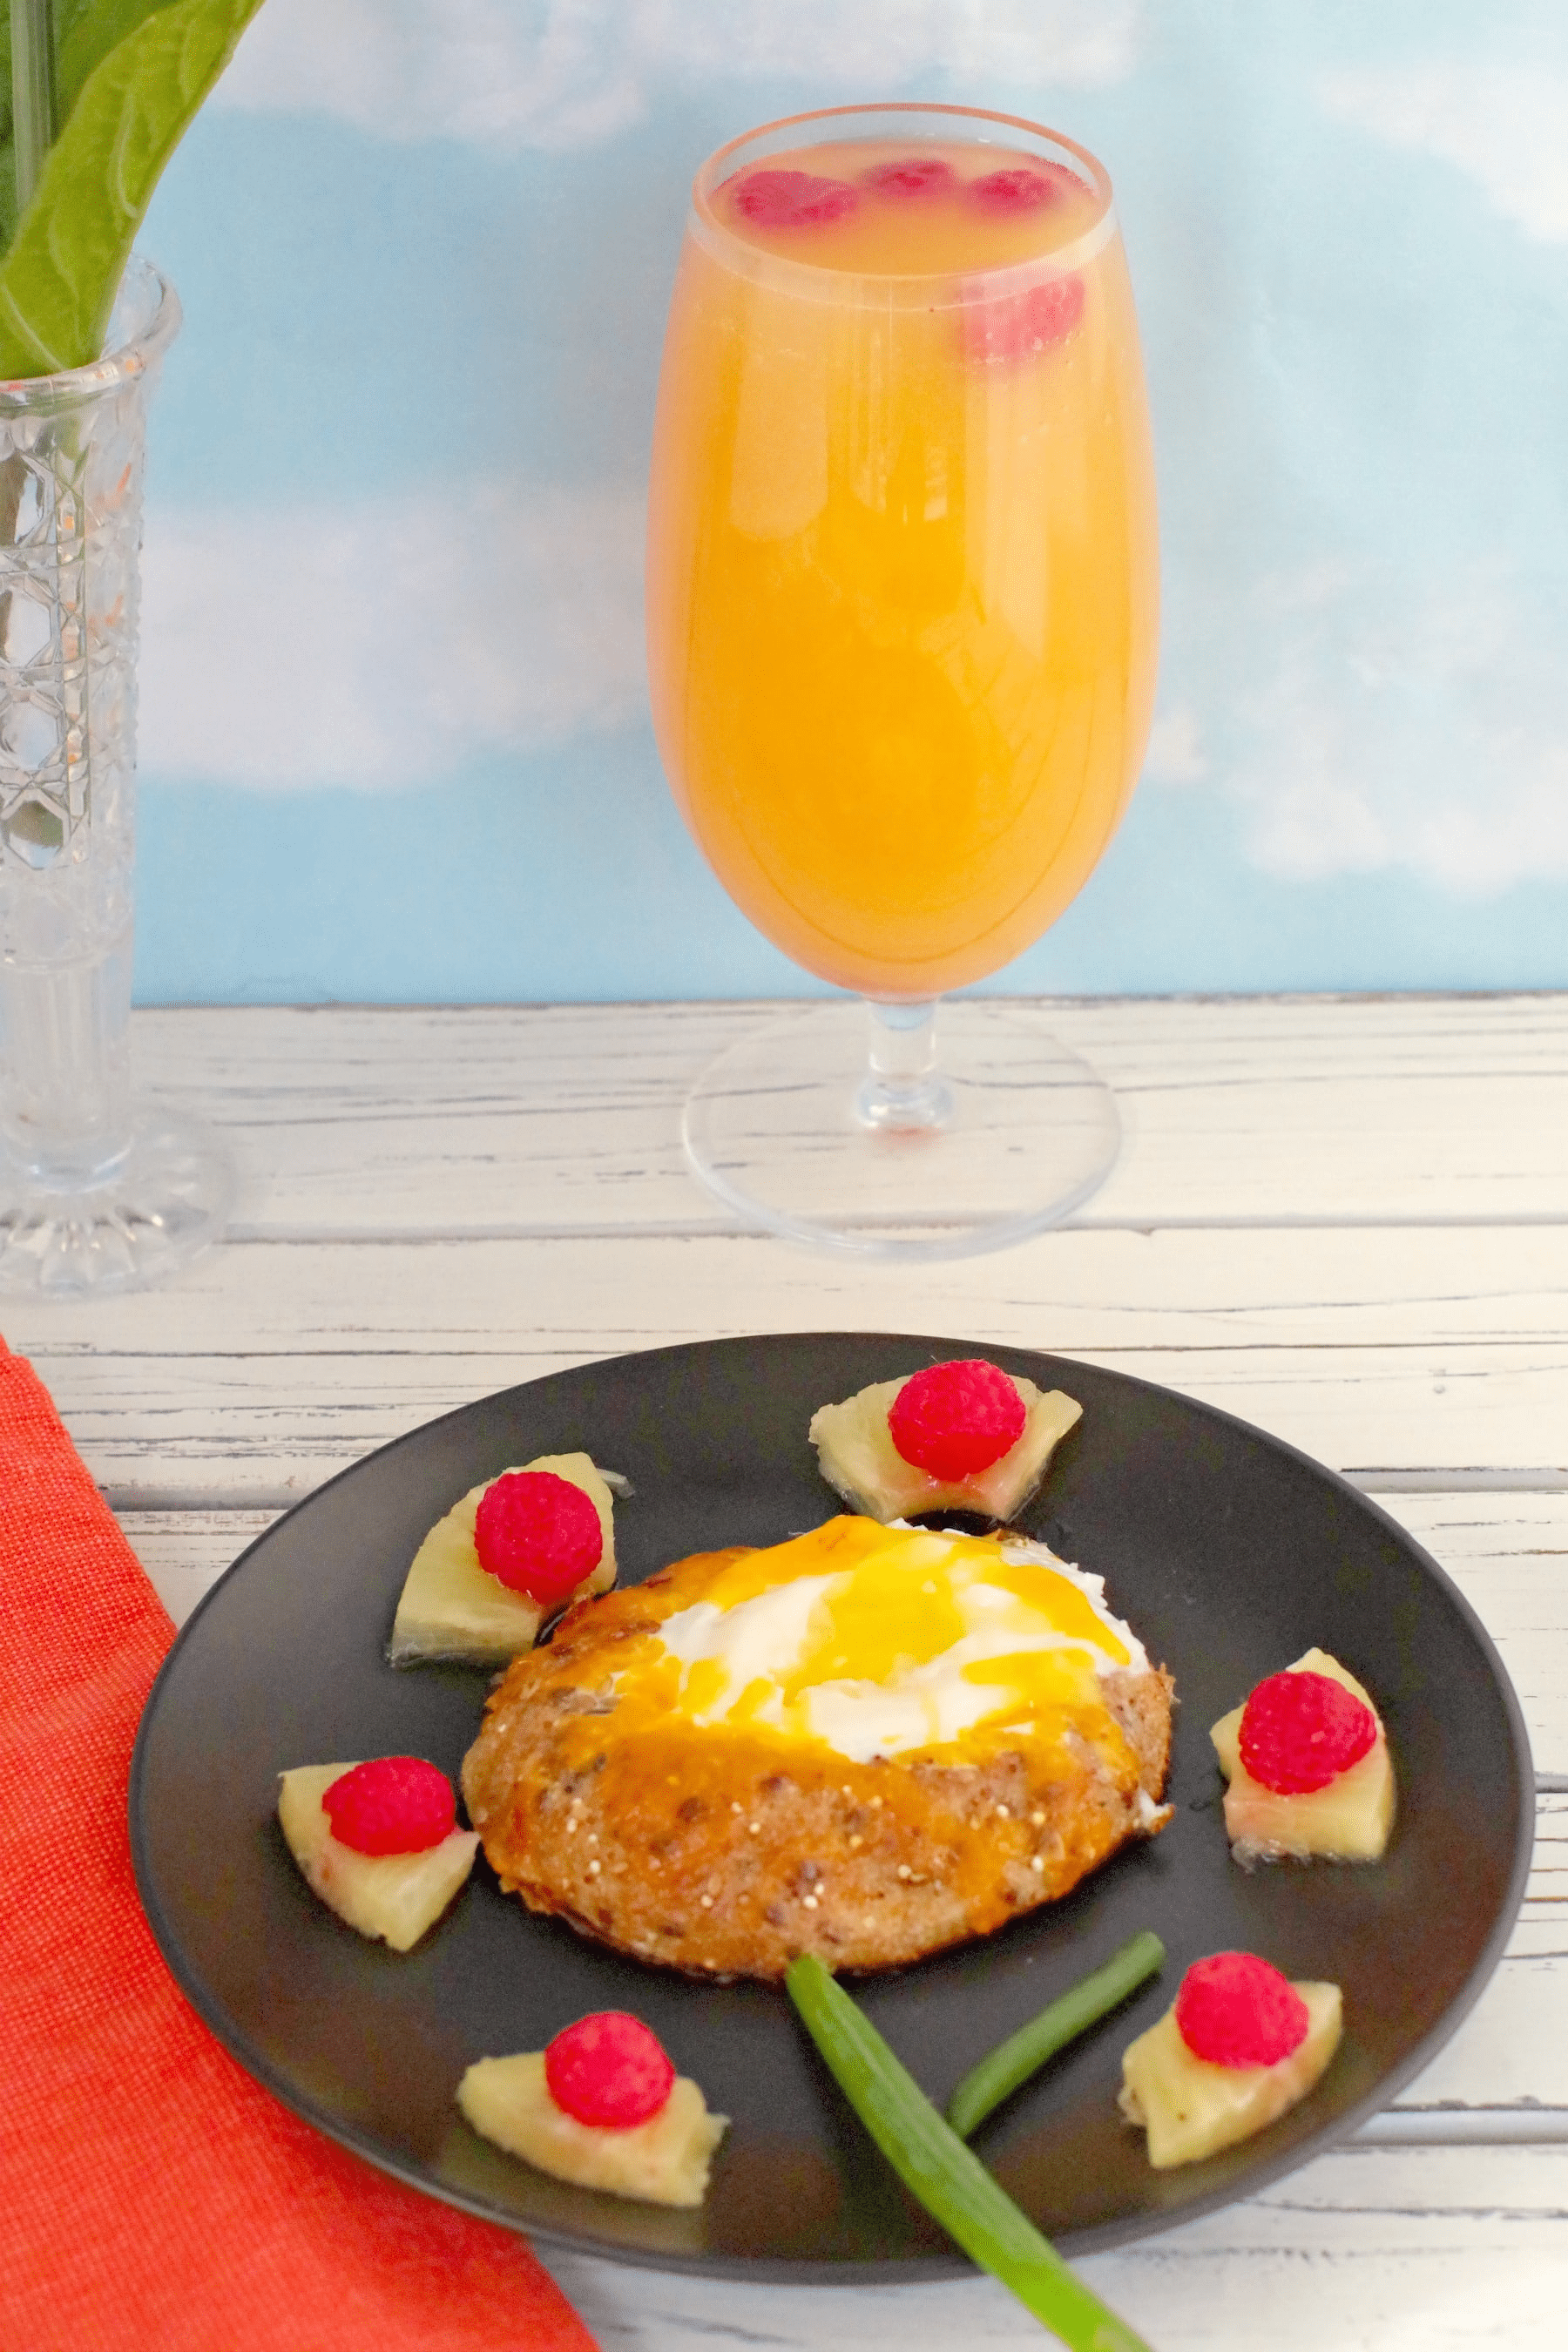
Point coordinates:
[(947, 2177), (1001, 2072)]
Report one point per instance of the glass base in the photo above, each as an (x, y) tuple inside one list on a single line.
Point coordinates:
[(783, 1128), (161, 1201)]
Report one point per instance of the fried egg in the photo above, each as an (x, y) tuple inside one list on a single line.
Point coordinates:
[(881, 1641)]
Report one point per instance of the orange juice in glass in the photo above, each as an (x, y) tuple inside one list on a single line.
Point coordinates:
[(901, 631)]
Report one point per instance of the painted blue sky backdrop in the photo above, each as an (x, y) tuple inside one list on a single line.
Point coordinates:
[(394, 731)]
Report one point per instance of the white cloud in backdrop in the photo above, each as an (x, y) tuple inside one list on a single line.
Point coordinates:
[(388, 644), (1176, 754), (568, 73), (1404, 725), (1505, 126)]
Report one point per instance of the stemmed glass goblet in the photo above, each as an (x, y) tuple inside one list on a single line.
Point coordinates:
[(901, 632)]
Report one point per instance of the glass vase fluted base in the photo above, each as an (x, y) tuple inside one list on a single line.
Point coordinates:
[(156, 1204), (1008, 1133)]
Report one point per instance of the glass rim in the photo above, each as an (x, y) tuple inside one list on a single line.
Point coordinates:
[(144, 320), (757, 260)]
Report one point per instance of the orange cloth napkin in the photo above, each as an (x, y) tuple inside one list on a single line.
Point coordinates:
[(153, 2198)]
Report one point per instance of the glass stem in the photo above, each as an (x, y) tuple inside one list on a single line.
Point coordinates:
[(902, 1092)]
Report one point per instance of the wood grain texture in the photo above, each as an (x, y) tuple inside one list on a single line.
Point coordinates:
[(565, 1118), (1368, 2250), (185, 1552), (1388, 1354)]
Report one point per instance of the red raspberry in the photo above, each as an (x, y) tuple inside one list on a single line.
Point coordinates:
[(793, 199), (1027, 187), (1301, 1731), (1233, 2010), (956, 1419), (913, 175), (396, 1804), (538, 1534), (1066, 183), (1021, 188), (608, 2069), (1016, 326)]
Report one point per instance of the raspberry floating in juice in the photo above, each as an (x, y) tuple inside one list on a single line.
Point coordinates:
[(911, 175), (908, 208), (1020, 189), (1017, 326), (793, 199)]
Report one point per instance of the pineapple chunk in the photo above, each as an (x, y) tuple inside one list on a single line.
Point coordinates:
[(1350, 1820), (856, 1455), (662, 2162), (392, 1895), (451, 1608), (1191, 2109)]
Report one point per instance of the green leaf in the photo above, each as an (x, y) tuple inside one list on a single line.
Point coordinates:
[(85, 32), (8, 137), (59, 281)]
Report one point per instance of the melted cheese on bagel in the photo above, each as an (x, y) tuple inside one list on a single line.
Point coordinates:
[(876, 1642)]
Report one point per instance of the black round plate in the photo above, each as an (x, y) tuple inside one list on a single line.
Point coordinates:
[(1230, 1554)]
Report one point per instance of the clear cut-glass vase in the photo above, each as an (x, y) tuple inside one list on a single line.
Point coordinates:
[(99, 1191)]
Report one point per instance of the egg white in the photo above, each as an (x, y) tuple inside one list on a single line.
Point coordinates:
[(753, 1650)]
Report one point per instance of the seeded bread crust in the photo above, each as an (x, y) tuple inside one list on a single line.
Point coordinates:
[(714, 1854)]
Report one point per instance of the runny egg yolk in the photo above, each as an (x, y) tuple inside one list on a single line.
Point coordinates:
[(877, 1641)]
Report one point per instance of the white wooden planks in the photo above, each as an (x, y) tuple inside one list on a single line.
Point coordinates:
[(1368, 2250), (564, 1117), (1509, 1555), (1394, 1355), (185, 1552)]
